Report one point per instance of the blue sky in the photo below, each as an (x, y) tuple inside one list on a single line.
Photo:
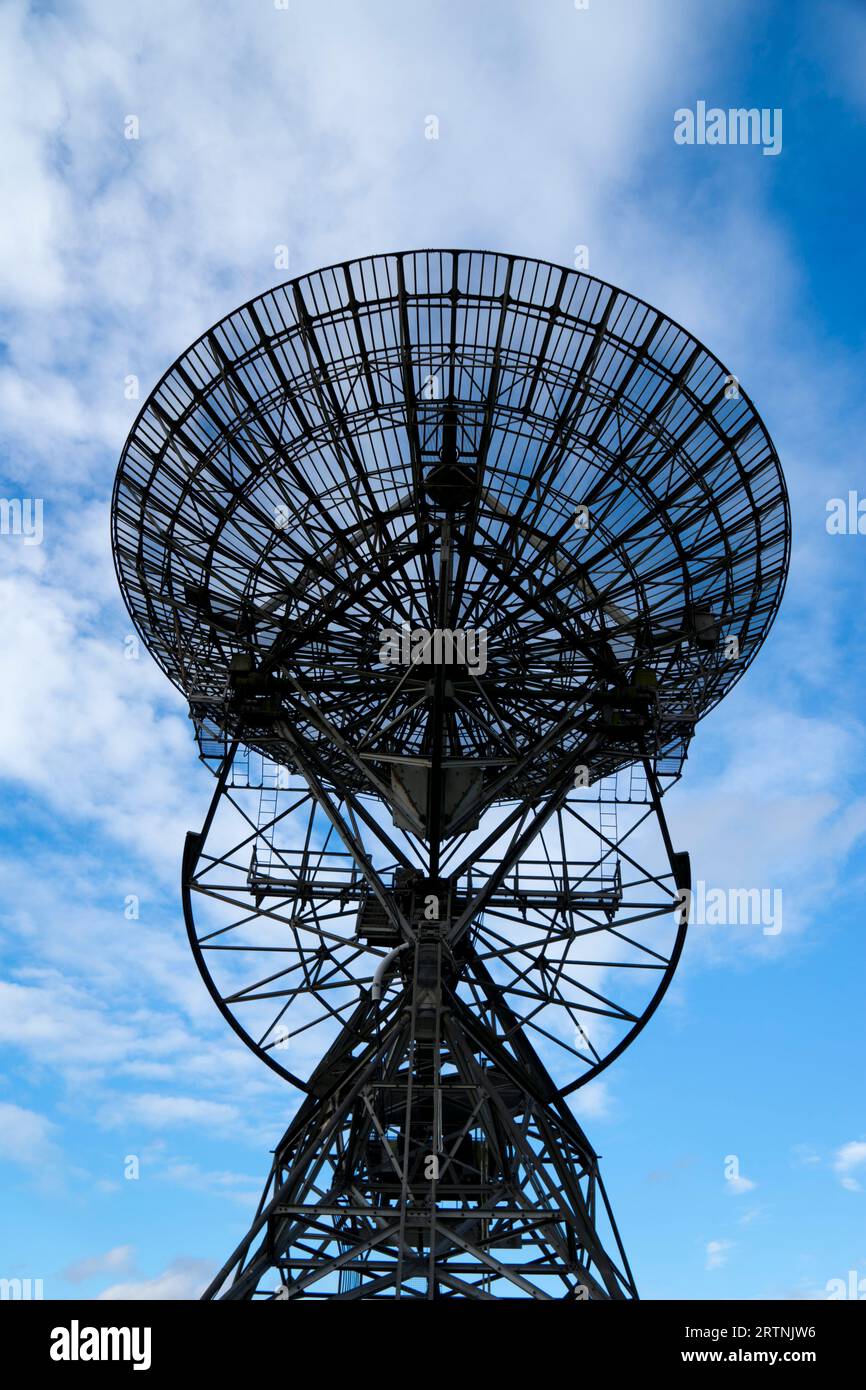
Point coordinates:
[(304, 128)]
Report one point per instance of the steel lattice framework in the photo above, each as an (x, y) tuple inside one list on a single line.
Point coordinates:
[(435, 889)]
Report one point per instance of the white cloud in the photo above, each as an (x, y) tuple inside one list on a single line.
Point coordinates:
[(738, 1186), (155, 1111), (805, 1156), (26, 1137), (183, 1279), (593, 1101), (717, 1252), (101, 1042), (49, 1021), (117, 1261), (805, 817), (752, 1214), (848, 1158), (81, 729), (235, 1187)]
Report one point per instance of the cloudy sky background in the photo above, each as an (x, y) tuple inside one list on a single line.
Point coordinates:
[(304, 128)]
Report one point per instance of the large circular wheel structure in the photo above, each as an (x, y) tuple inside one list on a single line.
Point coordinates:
[(612, 518), (579, 942)]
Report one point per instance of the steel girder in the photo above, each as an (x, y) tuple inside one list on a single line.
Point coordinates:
[(430, 1167)]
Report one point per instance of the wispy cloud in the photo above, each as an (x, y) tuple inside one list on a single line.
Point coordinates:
[(738, 1186), (849, 1159), (120, 1260), (717, 1252), (805, 1156), (27, 1138), (594, 1101), (184, 1279), (160, 1111)]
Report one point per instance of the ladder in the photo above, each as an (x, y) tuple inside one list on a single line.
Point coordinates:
[(240, 773), (637, 784), (608, 824), (268, 799)]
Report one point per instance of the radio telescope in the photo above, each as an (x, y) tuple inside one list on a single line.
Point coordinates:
[(448, 552)]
